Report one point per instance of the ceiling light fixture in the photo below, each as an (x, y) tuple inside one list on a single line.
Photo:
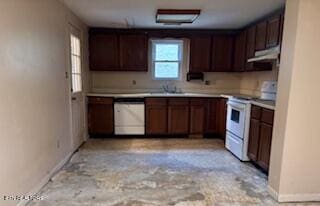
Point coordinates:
[(176, 17)]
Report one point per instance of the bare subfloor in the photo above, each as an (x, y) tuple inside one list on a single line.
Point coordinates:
[(149, 172)]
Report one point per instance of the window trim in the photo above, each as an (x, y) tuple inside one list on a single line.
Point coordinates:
[(180, 44)]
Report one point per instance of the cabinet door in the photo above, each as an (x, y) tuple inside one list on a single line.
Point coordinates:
[(222, 49), (103, 52), (197, 116), (156, 116), (200, 54), (212, 113), (222, 117), (178, 116), (251, 47), (133, 52), (254, 137), (100, 116), (265, 146), (240, 52), (261, 36), (273, 32)]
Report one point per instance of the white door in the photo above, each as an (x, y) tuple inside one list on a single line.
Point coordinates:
[(77, 97)]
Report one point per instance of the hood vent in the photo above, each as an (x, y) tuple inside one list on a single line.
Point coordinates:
[(269, 55)]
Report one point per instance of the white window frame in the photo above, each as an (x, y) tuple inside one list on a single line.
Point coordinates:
[(180, 43)]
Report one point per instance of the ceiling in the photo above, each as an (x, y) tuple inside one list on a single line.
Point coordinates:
[(216, 14)]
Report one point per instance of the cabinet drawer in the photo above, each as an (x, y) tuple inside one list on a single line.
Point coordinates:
[(267, 116), (178, 101), (156, 101), (255, 112), (100, 100)]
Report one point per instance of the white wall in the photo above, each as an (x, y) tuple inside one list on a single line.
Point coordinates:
[(295, 162), (34, 108)]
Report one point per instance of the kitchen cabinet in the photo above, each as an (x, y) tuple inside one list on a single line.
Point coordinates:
[(100, 115), (104, 52), (178, 116), (134, 52), (265, 146), (197, 116), (261, 36), (212, 116), (222, 51), (222, 117), (254, 137), (260, 136), (251, 47), (273, 31), (240, 52), (200, 54), (156, 116)]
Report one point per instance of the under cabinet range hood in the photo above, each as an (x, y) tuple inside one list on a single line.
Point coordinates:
[(268, 55)]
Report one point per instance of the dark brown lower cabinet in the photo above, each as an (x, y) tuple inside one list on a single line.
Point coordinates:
[(178, 116), (100, 115), (260, 136), (197, 116), (254, 137), (222, 117), (212, 116), (265, 146), (216, 117), (156, 116)]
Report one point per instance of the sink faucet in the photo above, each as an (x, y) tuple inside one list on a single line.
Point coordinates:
[(167, 89)]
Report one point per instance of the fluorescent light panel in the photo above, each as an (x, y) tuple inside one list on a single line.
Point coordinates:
[(171, 16)]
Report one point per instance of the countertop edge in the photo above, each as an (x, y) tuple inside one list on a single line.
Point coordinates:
[(145, 95)]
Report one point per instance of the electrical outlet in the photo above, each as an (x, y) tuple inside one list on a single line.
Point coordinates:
[(134, 82), (207, 82)]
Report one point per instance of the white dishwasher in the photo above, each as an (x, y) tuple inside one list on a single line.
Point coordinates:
[(129, 117)]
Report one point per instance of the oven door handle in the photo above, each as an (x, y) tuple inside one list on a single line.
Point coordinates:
[(237, 106)]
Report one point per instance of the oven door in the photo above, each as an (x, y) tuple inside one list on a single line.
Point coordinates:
[(236, 118)]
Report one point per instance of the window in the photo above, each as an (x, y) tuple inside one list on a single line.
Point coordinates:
[(166, 59), (76, 85)]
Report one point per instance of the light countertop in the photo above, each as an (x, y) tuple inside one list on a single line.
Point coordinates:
[(254, 101)]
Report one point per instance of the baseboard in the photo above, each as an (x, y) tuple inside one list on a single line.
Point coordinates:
[(274, 194), (299, 198), (293, 197), (46, 179)]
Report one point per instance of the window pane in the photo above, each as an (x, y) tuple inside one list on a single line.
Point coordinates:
[(75, 45), (76, 83), (76, 64), (169, 52), (166, 70)]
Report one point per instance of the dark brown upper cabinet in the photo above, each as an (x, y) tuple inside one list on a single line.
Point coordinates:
[(200, 53), (221, 57), (104, 52), (134, 52), (251, 47), (261, 36), (273, 31), (240, 52)]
